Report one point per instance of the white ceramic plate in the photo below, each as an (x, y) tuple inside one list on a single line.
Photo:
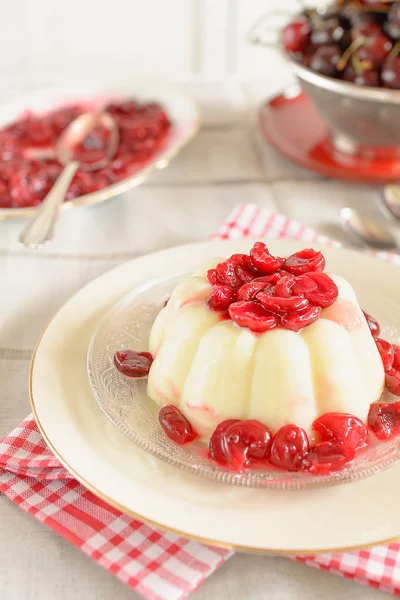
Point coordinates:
[(363, 513), (180, 108)]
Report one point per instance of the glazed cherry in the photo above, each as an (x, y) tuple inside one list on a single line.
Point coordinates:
[(244, 261), (341, 427), (384, 419), (240, 443), (326, 291), (216, 447), (299, 320), (233, 274), (372, 324), (250, 290), (253, 316), (221, 297), (396, 357), (263, 261), (284, 287), (282, 306), (392, 381), (289, 447), (325, 60), (327, 457), (304, 261), (133, 364), (296, 35), (390, 73), (176, 426), (387, 353), (212, 276)]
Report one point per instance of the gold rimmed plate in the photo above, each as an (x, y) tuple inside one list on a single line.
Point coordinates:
[(180, 108), (102, 458)]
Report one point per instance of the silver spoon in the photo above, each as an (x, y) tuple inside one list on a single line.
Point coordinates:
[(41, 228), (366, 230), (391, 201)]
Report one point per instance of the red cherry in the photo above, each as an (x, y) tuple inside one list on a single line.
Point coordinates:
[(392, 381), (263, 261), (127, 108), (387, 353), (215, 448), (297, 321), (303, 285), (327, 457), (341, 427), (396, 357), (133, 364), (242, 260), (282, 306), (233, 274), (289, 447), (325, 59), (304, 261), (248, 291), (296, 35), (254, 436), (368, 77), (240, 443), (221, 297), (384, 419), (270, 279), (390, 73), (252, 315), (328, 31), (394, 12), (176, 426), (326, 292), (283, 289), (365, 29), (212, 276), (372, 324), (375, 50)]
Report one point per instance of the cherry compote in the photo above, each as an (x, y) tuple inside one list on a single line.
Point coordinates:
[(25, 181)]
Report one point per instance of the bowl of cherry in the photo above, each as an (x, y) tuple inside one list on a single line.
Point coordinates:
[(346, 57), (154, 120)]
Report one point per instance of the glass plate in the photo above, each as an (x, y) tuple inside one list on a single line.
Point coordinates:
[(126, 404)]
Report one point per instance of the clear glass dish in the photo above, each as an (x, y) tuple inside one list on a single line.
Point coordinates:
[(126, 404)]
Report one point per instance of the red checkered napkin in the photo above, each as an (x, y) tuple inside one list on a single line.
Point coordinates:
[(160, 566)]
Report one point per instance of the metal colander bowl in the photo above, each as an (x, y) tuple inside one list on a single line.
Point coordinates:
[(362, 120)]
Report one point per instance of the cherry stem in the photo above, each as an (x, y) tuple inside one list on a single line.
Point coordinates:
[(360, 65), (394, 51), (344, 59), (314, 17)]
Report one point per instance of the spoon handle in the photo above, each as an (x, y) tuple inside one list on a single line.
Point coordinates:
[(41, 228)]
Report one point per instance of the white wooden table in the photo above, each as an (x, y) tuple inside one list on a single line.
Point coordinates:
[(226, 164)]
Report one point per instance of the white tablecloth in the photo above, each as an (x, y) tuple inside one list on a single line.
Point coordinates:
[(225, 165)]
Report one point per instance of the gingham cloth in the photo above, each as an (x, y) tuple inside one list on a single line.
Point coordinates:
[(160, 566)]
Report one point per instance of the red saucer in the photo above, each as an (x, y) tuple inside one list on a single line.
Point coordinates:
[(293, 126)]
